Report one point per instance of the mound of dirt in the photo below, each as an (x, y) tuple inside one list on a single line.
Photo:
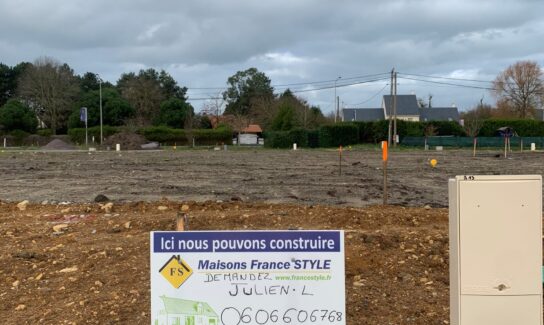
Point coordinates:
[(127, 140), (58, 144)]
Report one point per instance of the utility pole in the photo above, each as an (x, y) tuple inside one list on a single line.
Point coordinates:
[(338, 107), (335, 100), (100, 92), (395, 111), (389, 113)]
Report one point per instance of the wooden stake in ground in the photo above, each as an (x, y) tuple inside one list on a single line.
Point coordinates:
[(384, 159), (505, 146), (181, 221)]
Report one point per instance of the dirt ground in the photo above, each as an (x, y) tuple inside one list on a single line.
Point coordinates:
[(251, 175), (97, 269)]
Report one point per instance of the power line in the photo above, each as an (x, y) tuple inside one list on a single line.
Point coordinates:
[(296, 83), (448, 84), (342, 85), (308, 90), (446, 78), (372, 97)]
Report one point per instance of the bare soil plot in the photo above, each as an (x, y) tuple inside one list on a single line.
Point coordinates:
[(97, 270), (252, 175)]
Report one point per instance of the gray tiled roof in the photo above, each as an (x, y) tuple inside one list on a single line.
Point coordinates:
[(439, 114), (406, 105), (362, 114)]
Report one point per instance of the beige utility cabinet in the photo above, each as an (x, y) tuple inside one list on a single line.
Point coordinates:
[(495, 250)]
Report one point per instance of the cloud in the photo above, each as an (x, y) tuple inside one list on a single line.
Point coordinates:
[(203, 42)]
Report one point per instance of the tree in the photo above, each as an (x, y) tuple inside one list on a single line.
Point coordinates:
[(204, 122), (170, 87), (285, 119), (520, 87), (472, 126), (5, 83), (115, 109), (14, 115), (89, 82), (244, 88), (50, 89), (302, 115), (315, 118), (173, 113), (213, 108), (9, 80), (481, 112), (429, 131), (146, 91)]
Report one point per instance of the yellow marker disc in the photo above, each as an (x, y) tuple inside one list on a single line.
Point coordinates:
[(433, 162)]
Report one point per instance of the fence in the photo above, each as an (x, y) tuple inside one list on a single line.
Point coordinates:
[(452, 141)]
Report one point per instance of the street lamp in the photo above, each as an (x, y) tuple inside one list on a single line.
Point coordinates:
[(335, 100)]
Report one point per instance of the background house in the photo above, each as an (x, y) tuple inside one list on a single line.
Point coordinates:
[(362, 114), (439, 114), (408, 109)]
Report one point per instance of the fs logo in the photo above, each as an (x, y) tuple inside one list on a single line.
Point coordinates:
[(176, 271)]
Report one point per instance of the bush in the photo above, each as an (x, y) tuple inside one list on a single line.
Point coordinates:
[(313, 139), (171, 136), (524, 128), (277, 139), (45, 132), (14, 115), (341, 134), (373, 132), (285, 139), (446, 128), (173, 113), (19, 135), (77, 135)]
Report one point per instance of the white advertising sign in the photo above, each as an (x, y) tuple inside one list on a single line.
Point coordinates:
[(247, 277)]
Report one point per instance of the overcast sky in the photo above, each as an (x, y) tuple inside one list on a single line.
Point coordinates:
[(201, 43)]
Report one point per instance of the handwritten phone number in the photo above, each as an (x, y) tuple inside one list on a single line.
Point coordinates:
[(233, 316)]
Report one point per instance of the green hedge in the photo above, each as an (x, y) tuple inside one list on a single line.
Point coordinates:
[(77, 135), (372, 132), (341, 134), (161, 134), (524, 128), (313, 139), (44, 132), (285, 139), (169, 136)]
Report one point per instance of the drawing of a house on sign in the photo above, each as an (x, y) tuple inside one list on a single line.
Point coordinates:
[(186, 312)]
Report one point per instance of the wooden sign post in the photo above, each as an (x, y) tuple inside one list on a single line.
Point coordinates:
[(181, 222), (384, 159)]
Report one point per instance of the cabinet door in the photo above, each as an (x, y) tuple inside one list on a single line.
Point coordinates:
[(500, 237), (501, 310)]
